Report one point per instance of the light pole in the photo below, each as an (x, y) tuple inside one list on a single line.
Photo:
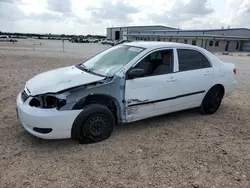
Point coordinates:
[(63, 44)]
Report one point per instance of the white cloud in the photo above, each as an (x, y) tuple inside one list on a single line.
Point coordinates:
[(119, 11), (183, 11), (243, 14), (45, 16), (196, 7), (92, 17), (9, 1), (10, 11), (61, 6)]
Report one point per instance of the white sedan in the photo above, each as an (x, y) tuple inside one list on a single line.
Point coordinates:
[(122, 84)]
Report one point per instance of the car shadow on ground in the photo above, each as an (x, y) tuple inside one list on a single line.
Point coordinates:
[(187, 115), (158, 121)]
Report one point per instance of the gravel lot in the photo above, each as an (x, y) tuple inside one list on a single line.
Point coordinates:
[(179, 150)]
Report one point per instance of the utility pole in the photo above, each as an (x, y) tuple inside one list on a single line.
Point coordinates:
[(63, 44)]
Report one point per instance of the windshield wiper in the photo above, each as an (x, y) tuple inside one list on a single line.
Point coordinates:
[(85, 68)]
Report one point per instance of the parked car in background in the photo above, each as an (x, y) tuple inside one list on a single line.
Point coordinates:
[(121, 42), (92, 40), (13, 40), (103, 41), (122, 84), (83, 40), (108, 41), (4, 36)]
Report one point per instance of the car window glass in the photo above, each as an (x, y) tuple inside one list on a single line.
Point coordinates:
[(108, 62), (155, 55), (206, 63), (159, 56), (157, 63), (191, 60)]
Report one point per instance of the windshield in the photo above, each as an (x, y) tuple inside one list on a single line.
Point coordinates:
[(108, 62)]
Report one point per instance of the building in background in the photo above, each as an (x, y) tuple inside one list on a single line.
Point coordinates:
[(215, 40), (119, 33)]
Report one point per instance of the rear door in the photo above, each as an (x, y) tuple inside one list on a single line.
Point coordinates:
[(194, 77)]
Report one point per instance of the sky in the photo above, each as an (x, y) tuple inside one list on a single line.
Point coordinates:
[(83, 17)]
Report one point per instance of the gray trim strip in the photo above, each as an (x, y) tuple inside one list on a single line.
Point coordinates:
[(167, 99)]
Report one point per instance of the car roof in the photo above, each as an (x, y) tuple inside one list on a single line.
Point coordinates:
[(159, 44)]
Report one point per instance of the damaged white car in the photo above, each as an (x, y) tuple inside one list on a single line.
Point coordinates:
[(125, 83)]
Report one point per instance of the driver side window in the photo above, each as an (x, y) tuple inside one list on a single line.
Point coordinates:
[(157, 63), (155, 55)]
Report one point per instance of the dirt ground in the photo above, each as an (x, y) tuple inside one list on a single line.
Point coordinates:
[(179, 150)]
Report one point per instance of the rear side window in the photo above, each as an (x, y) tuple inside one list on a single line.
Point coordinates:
[(191, 60)]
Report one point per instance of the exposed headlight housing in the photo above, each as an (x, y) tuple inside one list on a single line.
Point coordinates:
[(24, 96), (47, 101)]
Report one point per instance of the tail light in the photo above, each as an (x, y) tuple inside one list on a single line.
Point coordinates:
[(234, 71)]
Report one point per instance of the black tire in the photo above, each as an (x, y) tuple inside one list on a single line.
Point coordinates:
[(212, 100), (94, 124)]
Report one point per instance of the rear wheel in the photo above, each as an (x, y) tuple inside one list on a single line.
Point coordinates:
[(212, 100), (94, 124)]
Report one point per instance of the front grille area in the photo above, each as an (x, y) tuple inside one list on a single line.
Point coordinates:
[(24, 96)]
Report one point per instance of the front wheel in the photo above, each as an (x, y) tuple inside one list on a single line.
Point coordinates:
[(212, 100), (94, 124)]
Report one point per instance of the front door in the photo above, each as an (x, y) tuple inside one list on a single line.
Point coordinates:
[(153, 94)]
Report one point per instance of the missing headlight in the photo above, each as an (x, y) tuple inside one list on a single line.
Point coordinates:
[(35, 102), (60, 103), (47, 101)]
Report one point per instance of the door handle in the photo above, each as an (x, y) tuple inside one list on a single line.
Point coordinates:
[(207, 73), (171, 80)]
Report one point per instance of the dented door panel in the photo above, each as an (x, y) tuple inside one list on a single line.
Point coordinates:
[(144, 96)]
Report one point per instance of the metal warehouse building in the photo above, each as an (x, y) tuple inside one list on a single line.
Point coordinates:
[(235, 39), (119, 33)]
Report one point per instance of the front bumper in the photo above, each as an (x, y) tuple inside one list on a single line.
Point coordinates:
[(59, 121)]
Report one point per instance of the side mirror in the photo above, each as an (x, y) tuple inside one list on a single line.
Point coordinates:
[(134, 73)]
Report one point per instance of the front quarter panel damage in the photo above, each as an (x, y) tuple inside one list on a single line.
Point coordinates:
[(110, 87)]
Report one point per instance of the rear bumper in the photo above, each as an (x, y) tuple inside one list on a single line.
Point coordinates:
[(229, 88), (59, 121)]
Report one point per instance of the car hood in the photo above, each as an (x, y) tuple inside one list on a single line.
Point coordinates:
[(60, 79)]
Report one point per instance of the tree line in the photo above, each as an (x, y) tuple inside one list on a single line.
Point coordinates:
[(48, 35)]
